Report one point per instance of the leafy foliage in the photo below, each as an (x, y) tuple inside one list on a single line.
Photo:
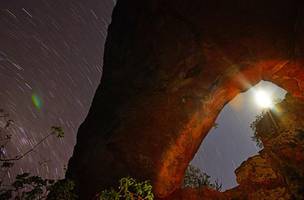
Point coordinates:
[(253, 126), (264, 128), (58, 131), (129, 189), (5, 137), (62, 189), (25, 186), (195, 178)]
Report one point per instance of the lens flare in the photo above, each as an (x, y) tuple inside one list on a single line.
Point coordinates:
[(263, 99), (37, 101)]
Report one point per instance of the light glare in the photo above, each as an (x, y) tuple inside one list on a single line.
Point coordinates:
[(263, 99)]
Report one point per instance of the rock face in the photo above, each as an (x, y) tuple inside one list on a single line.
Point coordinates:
[(278, 171), (169, 68)]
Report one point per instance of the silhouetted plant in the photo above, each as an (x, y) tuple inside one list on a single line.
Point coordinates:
[(58, 131), (25, 186), (215, 125), (62, 189), (195, 178), (128, 189), (253, 126)]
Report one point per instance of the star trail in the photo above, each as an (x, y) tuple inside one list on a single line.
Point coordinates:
[(51, 60), (50, 65)]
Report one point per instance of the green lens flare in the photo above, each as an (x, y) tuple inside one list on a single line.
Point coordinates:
[(37, 101)]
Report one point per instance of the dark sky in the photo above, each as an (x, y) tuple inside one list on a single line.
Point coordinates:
[(52, 50)]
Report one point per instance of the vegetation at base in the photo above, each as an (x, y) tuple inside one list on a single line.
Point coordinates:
[(195, 178), (128, 189), (26, 186), (62, 189)]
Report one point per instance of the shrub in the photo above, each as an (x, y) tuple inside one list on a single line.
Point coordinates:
[(253, 126), (128, 189), (195, 178)]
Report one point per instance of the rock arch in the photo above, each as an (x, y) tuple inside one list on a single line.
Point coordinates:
[(169, 68)]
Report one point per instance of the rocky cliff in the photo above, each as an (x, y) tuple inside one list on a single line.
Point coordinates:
[(169, 68), (278, 171)]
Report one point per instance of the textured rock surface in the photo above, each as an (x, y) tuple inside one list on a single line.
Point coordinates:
[(278, 171), (169, 68)]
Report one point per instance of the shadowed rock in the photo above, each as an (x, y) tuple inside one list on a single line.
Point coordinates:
[(169, 68)]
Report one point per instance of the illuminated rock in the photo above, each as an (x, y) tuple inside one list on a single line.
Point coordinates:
[(277, 172), (169, 68)]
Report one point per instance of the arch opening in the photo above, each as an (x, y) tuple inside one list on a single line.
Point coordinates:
[(231, 140)]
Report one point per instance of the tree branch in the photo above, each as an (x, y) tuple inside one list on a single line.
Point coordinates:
[(28, 151)]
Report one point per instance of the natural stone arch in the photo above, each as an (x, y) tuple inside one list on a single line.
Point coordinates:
[(169, 68)]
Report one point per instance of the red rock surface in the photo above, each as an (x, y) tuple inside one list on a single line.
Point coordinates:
[(169, 68), (278, 171)]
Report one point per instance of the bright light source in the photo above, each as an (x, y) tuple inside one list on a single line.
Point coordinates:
[(263, 99)]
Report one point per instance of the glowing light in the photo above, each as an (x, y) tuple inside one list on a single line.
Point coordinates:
[(37, 101), (263, 99)]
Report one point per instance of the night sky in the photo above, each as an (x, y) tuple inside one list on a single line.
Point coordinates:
[(50, 66), (51, 51), (227, 146)]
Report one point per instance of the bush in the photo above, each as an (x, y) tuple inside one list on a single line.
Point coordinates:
[(253, 126), (195, 178), (25, 186), (129, 189), (62, 190)]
